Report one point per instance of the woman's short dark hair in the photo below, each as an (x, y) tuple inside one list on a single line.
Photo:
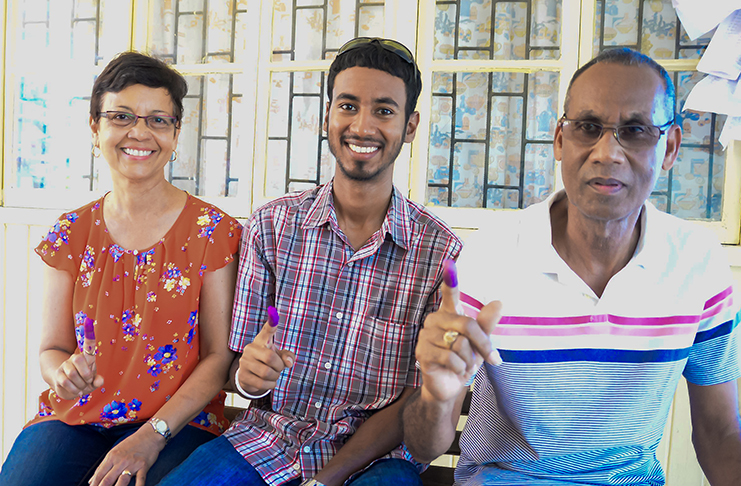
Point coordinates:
[(131, 68), (372, 55), (629, 57)]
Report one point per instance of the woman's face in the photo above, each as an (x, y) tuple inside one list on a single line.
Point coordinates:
[(137, 153)]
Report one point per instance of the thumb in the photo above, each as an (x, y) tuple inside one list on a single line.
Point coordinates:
[(488, 319), (449, 288), (267, 333)]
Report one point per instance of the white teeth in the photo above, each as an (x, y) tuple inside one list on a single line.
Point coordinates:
[(362, 150), (137, 153)]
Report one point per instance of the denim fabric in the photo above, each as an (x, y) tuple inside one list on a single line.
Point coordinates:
[(219, 464), (67, 455)]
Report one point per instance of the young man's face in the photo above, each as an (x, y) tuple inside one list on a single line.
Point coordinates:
[(365, 123), (606, 181)]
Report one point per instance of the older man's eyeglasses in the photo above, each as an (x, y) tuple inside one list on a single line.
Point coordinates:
[(388, 44), (124, 119), (631, 136)]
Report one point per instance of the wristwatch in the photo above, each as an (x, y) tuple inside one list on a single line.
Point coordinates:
[(311, 482), (161, 427)]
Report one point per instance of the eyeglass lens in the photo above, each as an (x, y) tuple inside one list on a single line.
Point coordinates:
[(629, 136), (123, 119)]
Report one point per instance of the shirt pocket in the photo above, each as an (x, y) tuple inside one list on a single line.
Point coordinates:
[(383, 355)]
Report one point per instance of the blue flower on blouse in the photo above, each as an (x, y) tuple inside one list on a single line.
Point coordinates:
[(114, 411), (135, 405), (202, 419), (155, 369), (192, 323), (167, 353), (116, 252)]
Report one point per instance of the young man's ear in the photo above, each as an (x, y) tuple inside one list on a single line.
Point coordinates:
[(325, 123), (411, 129)]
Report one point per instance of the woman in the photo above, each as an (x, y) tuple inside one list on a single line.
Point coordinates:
[(143, 280)]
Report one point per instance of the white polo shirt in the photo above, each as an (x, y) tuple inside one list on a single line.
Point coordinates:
[(587, 382)]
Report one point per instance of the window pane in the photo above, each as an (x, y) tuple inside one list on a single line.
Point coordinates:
[(650, 26), (491, 137), (298, 153), (199, 31), (209, 142), (50, 136), (693, 188), (463, 29), (310, 30)]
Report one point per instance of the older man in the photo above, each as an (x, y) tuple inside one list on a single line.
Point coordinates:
[(605, 303)]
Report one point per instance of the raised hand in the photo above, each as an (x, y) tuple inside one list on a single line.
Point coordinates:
[(452, 346), (261, 364), (77, 376)]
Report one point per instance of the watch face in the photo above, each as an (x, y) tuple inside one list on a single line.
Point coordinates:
[(161, 426)]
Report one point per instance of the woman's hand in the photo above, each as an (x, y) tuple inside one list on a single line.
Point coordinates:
[(75, 377), (135, 454)]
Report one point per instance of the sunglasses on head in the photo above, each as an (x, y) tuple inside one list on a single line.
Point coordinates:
[(388, 44)]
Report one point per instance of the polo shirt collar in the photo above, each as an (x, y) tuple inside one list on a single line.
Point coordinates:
[(536, 237)]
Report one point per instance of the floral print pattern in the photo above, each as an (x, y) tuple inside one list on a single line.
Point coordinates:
[(147, 345)]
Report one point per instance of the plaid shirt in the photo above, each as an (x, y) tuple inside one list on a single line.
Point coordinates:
[(352, 318)]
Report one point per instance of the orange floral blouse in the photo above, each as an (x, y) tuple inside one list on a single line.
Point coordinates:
[(145, 308)]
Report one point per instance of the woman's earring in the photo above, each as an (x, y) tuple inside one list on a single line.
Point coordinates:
[(96, 154), (174, 156)]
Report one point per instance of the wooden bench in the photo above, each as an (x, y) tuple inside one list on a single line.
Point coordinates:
[(440, 472)]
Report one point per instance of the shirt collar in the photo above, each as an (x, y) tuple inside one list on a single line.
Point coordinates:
[(536, 238), (396, 223)]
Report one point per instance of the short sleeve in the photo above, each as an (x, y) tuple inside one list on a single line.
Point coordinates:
[(59, 249), (223, 233), (713, 357), (255, 289)]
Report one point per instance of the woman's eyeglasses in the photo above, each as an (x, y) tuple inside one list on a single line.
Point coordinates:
[(123, 119), (388, 44), (631, 136)]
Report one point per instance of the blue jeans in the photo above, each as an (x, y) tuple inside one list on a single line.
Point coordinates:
[(60, 454), (219, 464)]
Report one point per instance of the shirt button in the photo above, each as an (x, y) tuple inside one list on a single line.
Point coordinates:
[(297, 467), (307, 449), (350, 264), (339, 315), (318, 404), (328, 365)]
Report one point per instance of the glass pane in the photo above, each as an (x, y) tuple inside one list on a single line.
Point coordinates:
[(198, 31), (298, 152), (693, 188), (491, 139), (521, 29), (209, 140), (650, 26), (50, 138), (311, 30)]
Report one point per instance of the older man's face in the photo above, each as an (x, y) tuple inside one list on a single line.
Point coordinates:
[(604, 180)]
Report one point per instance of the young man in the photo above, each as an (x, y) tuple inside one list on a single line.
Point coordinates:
[(352, 268), (605, 303)]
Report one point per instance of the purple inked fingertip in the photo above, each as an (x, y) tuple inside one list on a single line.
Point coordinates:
[(273, 317), (89, 329), (450, 274)]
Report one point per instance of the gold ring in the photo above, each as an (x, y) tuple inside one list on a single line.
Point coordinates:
[(449, 338), (89, 354), (126, 472)]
